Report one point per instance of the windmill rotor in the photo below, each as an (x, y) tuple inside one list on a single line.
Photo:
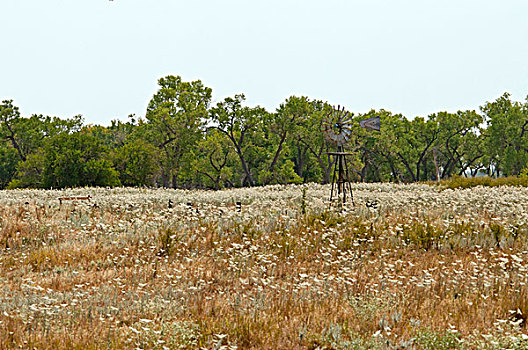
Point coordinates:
[(337, 126)]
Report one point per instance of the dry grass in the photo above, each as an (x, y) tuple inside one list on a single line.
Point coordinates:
[(424, 269), (469, 182)]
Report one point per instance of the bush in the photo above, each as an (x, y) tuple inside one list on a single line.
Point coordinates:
[(76, 160), (469, 182), (428, 339)]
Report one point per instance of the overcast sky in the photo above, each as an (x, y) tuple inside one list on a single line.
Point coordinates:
[(102, 59)]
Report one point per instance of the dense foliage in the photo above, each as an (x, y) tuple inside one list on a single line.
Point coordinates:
[(183, 141)]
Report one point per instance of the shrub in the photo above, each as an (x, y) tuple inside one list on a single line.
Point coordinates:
[(469, 182)]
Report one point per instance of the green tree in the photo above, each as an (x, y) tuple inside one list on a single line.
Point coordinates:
[(507, 134), (175, 116), (9, 159), (75, 160), (214, 160), (117, 134), (415, 141), (137, 163), (30, 172), (26, 135), (240, 124), (456, 139), (379, 150), (475, 156), (311, 146), (9, 118), (286, 123)]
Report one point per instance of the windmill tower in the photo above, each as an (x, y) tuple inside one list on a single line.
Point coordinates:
[(337, 128)]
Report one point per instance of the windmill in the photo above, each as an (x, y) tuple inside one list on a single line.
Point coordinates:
[(337, 129)]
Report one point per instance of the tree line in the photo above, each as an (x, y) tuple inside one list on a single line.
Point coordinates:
[(184, 141)]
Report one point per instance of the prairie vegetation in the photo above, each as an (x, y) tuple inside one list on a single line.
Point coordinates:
[(408, 267), (486, 181)]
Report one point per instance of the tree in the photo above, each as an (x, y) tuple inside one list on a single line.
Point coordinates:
[(9, 117), (175, 116), (26, 135), (213, 159), (137, 163), (286, 122), (311, 141), (456, 136), (114, 136), (415, 140), (8, 165), (30, 172), (380, 149), (237, 122), (507, 134), (75, 160), (475, 156)]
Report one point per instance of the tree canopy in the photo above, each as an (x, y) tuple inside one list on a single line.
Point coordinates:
[(184, 141)]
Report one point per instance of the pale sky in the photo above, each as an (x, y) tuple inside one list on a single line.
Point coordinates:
[(102, 59)]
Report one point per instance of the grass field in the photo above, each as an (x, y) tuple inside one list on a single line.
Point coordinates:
[(407, 267)]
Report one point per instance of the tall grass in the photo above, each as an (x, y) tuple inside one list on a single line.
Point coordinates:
[(425, 269)]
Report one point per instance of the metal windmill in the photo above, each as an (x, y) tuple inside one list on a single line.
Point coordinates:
[(337, 128)]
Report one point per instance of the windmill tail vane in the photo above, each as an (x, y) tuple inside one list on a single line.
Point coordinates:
[(373, 123)]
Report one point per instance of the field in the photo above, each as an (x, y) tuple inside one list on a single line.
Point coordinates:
[(407, 267)]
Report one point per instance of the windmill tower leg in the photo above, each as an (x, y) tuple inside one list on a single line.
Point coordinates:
[(347, 182), (335, 173), (341, 179)]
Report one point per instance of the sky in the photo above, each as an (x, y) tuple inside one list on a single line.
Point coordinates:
[(102, 58)]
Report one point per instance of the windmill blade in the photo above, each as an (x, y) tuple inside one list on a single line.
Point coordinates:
[(347, 121), (339, 112), (347, 131)]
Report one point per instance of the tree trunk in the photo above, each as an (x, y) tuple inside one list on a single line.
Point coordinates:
[(364, 172), (421, 159), (238, 150), (299, 164), (276, 157), (245, 168), (394, 172), (436, 165), (277, 153), (407, 166), (14, 142), (326, 170), (165, 179)]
